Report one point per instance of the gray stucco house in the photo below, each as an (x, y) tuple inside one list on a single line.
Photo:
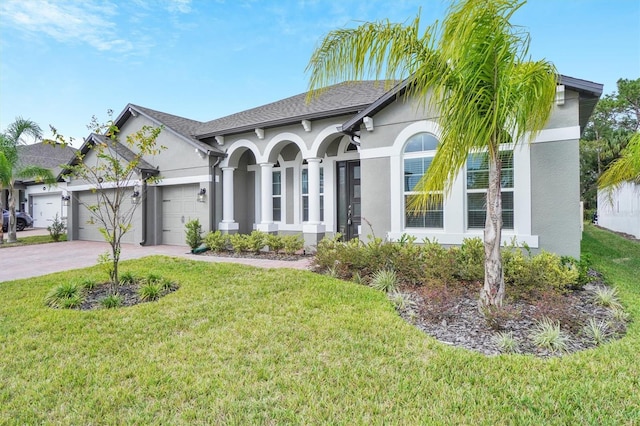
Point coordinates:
[(346, 162)]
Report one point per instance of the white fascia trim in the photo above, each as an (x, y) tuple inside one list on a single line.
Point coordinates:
[(183, 180), (456, 239), (559, 134), (107, 185)]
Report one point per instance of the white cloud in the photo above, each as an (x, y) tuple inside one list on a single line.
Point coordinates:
[(66, 22)]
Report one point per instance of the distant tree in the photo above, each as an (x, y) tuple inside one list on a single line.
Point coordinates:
[(614, 121), (11, 170), (477, 73), (113, 178)]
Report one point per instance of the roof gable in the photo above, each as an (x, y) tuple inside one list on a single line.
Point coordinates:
[(50, 155)]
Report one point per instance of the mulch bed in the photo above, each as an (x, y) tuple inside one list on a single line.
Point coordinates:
[(452, 316), (128, 293)]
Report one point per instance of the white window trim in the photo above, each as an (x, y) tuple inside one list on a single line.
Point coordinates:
[(417, 154), (304, 167), (281, 195), (455, 231)]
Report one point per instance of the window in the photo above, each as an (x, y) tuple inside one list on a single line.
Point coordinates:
[(418, 154), (305, 195), (277, 196), (477, 184)]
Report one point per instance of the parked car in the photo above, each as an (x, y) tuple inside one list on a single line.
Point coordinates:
[(23, 220)]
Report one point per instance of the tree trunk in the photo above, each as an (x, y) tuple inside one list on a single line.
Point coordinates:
[(12, 216), (493, 292), (1, 216)]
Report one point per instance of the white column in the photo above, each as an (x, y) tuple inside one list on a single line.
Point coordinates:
[(228, 222), (314, 190), (266, 195)]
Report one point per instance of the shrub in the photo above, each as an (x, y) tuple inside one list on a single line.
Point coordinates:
[(57, 228), (506, 343), (153, 278), (402, 302), (127, 278), (111, 301), (275, 243), (582, 266), (597, 331), (497, 316), (194, 234), (292, 243), (470, 260), (63, 295), (440, 265), (72, 302), (544, 271), (256, 241), (606, 296), (547, 334), (89, 284), (343, 257), (239, 242), (216, 241), (552, 305), (407, 260), (150, 291), (385, 280)]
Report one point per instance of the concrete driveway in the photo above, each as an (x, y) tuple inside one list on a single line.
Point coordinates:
[(41, 259)]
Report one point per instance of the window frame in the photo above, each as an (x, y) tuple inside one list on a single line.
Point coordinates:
[(503, 190), (304, 195), (412, 155)]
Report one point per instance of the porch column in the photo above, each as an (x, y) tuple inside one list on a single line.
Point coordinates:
[(228, 223), (314, 190), (313, 231), (266, 198)]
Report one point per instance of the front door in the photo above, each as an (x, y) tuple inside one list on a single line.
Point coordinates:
[(348, 198)]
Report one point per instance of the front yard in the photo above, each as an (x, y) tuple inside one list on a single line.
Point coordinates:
[(238, 345)]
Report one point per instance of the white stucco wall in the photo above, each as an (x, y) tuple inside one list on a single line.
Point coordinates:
[(621, 212)]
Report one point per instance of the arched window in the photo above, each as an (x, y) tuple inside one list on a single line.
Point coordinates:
[(417, 155)]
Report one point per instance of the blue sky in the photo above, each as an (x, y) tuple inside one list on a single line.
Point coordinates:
[(61, 62)]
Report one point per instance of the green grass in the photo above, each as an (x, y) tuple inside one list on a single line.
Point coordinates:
[(35, 239), (237, 345)]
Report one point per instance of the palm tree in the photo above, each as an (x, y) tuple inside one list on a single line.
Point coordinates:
[(625, 169), (11, 170), (475, 70)]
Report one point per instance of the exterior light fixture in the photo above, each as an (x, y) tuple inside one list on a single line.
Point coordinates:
[(65, 200), (201, 194), (135, 196)]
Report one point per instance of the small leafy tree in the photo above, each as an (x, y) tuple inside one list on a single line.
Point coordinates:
[(113, 174), (57, 228), (194, 234)]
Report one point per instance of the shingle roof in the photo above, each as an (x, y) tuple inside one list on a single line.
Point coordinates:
[(120, 149), (343, 98), (49, 155), (183, 127)]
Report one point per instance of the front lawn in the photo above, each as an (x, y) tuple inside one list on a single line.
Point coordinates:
[(238, 345)]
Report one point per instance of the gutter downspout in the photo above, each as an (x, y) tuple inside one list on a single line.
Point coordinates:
[(213, 194), (144, 210)]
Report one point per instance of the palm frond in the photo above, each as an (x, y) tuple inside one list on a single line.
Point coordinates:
[(40, 174), (624, 169), (23, 127), (382, 50)]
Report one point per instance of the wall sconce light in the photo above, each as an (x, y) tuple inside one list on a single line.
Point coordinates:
[(201, 194), (135, 196), (65, 200)]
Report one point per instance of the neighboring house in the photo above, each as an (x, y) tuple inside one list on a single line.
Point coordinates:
[(42, 201), (346, 162), (620, 211)]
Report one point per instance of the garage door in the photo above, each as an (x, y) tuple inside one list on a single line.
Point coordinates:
[(179, 206), (45, 208), (88, 227)]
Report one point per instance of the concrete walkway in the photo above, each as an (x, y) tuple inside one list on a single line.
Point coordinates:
[(41, 259)]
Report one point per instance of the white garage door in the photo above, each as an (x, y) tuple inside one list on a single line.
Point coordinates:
[(179, 206), (45, 208), (88, 227)]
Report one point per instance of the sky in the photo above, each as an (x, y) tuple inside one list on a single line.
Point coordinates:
[(64, 61)]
